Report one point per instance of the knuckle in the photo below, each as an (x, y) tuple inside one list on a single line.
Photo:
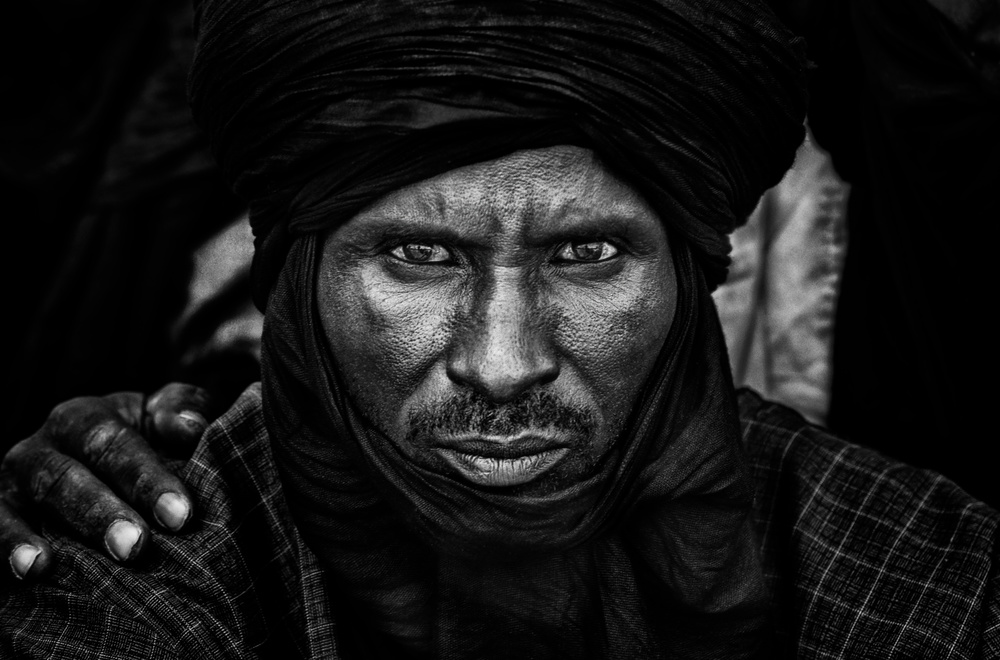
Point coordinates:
[(44, 482), (102, 440), (8, 505), (179, 395), (191, 390), (68, 410), (100, 510), (19, 455), (68, 418), (143, 484), (157, 399), (123, 402)]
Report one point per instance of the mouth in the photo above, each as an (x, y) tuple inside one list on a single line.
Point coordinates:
[(498, 461)]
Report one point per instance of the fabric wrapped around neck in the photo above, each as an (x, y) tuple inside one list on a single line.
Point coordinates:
[(654, 556), (316, 109)]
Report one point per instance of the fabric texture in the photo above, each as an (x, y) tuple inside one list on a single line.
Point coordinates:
[(315, 110), (869, 559), (650, 556), (778, 303)]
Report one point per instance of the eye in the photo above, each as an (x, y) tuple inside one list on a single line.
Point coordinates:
[(422, 253), (586, 251)]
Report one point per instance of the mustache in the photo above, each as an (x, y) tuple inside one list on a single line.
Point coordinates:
[(470, 412)]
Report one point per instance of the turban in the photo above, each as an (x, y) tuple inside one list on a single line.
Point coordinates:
[(316, 109)]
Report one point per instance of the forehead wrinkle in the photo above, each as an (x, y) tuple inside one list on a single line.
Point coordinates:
[(496, 198), (524, 197), (422, 207), (583, 195), (514, 197), (528, 191)]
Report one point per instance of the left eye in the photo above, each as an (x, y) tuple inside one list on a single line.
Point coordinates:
[(421, 253), (587, 251)]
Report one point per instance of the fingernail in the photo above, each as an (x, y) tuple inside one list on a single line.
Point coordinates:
[(194, 421), (121, 538), (23, 558), (171, 511)]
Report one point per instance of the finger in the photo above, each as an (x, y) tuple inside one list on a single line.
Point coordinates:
[(180, 413), (28, 554), (69, 492), (116, 453)]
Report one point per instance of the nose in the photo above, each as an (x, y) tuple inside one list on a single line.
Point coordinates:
[(503, 349)]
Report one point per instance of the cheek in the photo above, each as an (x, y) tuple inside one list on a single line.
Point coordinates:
[(385, 336), (610, 336)]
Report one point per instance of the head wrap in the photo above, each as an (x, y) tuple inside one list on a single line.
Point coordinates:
[(318, 108), (315, 109)]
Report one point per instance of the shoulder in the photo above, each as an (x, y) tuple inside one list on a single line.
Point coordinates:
[(196, 595), (875, 557), (233, 461), (176, 603)]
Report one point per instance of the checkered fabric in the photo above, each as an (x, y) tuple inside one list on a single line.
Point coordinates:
[(867, 558)]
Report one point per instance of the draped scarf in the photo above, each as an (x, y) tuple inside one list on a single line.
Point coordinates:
[(652, 556), (317, 109)]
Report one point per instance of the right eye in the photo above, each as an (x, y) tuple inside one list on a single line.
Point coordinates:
[(422, 253), (587, 252)]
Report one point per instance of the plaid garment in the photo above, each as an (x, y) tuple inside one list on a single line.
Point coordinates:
[(868, 559)]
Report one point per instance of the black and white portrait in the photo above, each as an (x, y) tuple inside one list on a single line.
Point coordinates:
[(546, 329)]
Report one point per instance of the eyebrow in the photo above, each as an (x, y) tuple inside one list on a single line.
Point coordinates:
[(378, 229), (432, 218), (634, 231)]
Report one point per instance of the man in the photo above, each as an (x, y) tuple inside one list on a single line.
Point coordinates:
[(495, 401)]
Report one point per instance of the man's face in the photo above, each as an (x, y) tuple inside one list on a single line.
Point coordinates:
[(498, 322)]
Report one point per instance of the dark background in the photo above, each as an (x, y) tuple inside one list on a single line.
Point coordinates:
[(107, 188)]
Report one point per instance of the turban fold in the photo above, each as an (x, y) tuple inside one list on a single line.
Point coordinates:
[(316, 109)]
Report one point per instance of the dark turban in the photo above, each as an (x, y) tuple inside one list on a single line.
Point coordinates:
[(316, 108)]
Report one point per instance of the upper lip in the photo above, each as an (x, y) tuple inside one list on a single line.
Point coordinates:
[(502, 447)]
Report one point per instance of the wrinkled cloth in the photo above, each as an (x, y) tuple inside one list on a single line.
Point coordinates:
[(650, 556), (333, 105), (867, 558), (317, 109), (777, 306)]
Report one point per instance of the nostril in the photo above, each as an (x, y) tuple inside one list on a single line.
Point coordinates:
[(548, 372), (503, 373)]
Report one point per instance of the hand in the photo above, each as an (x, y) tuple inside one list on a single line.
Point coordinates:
[(90, 455)]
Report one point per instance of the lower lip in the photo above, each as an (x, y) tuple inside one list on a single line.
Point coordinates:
[(498, 472)]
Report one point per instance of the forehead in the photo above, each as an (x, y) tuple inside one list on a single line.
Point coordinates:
[(531, 194)]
